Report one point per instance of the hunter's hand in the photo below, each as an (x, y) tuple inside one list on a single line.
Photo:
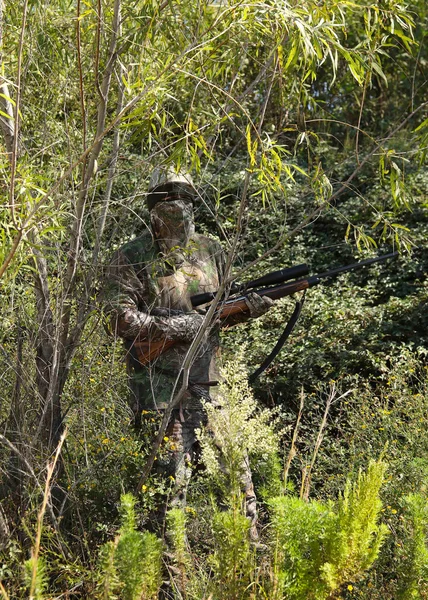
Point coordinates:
[(258, 305)]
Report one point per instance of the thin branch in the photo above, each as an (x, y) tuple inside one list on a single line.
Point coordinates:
[(360, 116), (111, 171), (307, 471), (421, 46), (6, 123), (97, 50), (82, 91), (40, 517), (4, 527), (4, 592), (16, 241), (84, 309), (292, 452), (14, 156), (30, 472), (25, 376), (15, 420), (344, 123), (76, 233)]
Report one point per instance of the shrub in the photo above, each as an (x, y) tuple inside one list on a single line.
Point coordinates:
[(318, 547), (414, 571), (131, 565), (232, 560)]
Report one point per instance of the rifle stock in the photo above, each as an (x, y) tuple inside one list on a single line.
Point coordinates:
[(148, 352), (238, 305)]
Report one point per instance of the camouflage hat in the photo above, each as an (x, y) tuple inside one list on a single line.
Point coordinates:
[(165, 183)]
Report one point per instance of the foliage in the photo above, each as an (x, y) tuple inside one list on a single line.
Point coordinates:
[(232, 561), (235, 431), (131, 566), (320, 547), (35, 577), (108, 580), (321, 109), (414, 579), (314, 547), (177, 536)]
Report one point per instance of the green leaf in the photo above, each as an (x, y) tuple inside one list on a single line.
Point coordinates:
[(421, 126), (376, 67), (398, 226), (292, 56)]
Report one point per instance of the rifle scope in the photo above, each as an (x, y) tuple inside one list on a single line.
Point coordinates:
[(273, 278)]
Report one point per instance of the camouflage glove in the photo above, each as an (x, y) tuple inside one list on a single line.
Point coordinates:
[(182, 325), (258, 305)]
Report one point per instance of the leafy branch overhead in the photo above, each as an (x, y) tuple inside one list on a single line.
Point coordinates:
[(195, 79)]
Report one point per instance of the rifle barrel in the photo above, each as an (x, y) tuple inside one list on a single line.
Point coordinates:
[(354, 267), (236, 305), (277, 277)]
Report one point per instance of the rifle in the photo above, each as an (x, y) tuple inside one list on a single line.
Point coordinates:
[(276, 287)]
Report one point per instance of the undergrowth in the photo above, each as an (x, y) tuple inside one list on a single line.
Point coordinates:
[(309, 549)]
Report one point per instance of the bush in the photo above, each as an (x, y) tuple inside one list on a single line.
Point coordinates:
[(131, 565), (319, 547)]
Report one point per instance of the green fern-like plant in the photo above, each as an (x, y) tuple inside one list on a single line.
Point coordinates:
[(237, 431), (35, 577), (130, 567), (359, 535), (232, 562), (301, 533), (108, 580), (414, 578), (318, 547), (138, 565), (183, 567), (176, 527)]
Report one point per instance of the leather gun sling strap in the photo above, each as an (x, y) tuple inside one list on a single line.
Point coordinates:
[(281, 341)]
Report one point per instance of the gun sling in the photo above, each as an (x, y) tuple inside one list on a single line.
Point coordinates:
[(281, 341)]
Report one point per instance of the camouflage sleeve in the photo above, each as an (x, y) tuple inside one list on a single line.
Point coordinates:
[(124, 292), (133, 325)]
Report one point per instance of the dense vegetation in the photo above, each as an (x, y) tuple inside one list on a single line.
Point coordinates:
[(305, 127)]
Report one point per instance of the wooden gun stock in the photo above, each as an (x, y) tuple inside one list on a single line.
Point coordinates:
[(148, 352)]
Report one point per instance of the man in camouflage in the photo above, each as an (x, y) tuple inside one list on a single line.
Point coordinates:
[(150, 282)]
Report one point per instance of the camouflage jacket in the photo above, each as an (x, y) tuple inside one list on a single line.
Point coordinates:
[(148, 300)]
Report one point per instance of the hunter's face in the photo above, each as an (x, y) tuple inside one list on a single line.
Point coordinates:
[(172, 223)]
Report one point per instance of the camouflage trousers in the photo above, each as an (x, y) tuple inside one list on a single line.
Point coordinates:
[(182, 432), (178, 458)]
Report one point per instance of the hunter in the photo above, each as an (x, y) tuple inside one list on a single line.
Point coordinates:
[(150, 282)]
